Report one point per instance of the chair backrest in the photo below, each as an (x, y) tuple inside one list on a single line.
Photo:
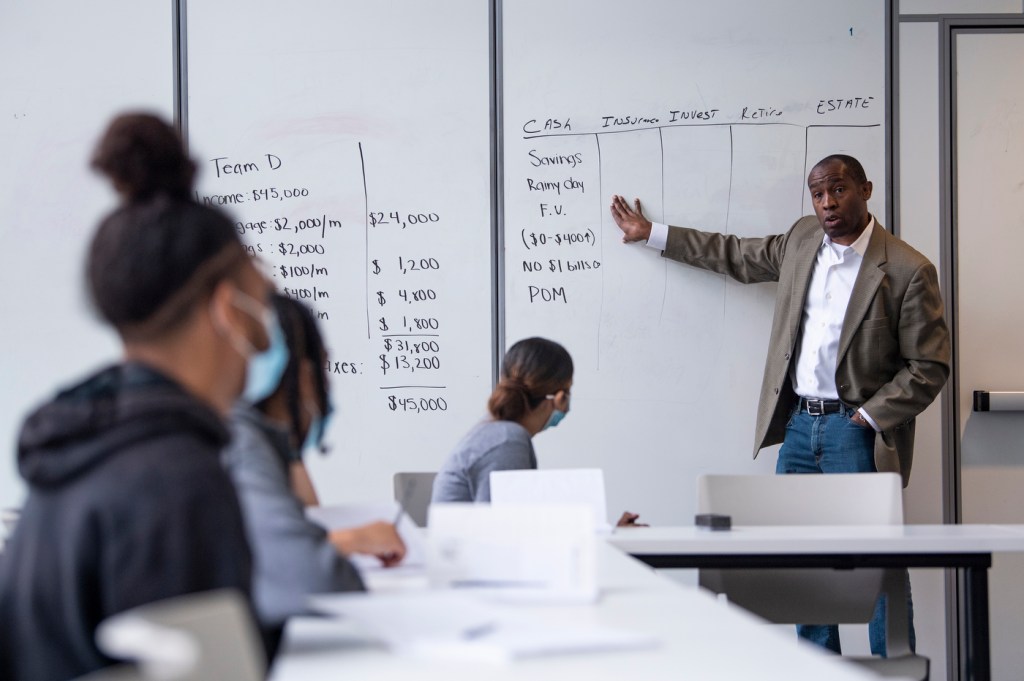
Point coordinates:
[(810, 595), (837, 499), (413, 491), (198, 637), (802, 595)]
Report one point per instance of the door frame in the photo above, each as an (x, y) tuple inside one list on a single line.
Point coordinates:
[(952, 494)]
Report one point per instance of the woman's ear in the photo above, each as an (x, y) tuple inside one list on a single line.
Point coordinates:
[(221, 310), (562, 400)]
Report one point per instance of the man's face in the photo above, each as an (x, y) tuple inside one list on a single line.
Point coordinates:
[(840, 202)]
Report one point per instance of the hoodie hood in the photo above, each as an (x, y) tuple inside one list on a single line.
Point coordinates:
[(112, 410)]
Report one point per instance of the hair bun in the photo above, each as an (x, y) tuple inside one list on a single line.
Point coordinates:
[(514, 383), (143, 156)]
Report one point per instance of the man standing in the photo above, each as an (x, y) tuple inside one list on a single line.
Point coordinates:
[(858, 345)]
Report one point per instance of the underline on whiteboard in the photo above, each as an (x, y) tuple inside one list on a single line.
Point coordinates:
[(409, 335), (405, 387), (366, 240), (699, 125)]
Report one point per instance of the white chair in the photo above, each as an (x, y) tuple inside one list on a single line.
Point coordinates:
[(413, 491), (805, 595), (199, 637)]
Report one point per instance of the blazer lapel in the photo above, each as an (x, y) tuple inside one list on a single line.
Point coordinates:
[(867, 282)]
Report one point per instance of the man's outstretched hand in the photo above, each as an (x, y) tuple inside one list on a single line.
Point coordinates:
[(634, 226)]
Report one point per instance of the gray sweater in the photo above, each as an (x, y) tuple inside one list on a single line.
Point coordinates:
[(489, 446), (292, 556)]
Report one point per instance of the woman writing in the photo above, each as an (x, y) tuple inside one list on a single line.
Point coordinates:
[(284, 412)]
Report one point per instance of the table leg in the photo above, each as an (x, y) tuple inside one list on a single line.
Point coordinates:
[(977, 623)]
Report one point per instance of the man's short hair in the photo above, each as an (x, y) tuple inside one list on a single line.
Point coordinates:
[(853, 166)]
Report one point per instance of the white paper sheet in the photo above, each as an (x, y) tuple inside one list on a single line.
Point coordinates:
[(453, 625), (568, 486), (533, 552)]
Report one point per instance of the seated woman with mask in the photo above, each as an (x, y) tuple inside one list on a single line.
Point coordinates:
[(532, 395), (283, 412)]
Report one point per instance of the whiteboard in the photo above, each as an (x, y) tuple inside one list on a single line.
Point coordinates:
[(351, 141), (65, 71), (712, 113), (356, 109)]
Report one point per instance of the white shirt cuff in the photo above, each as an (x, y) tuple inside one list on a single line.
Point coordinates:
[(870, 420), (659, 236)]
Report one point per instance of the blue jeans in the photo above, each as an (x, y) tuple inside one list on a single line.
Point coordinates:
[(832, 443)]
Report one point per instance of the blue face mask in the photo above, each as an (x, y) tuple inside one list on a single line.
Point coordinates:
[(556, 417), (556, 414), (265, 369), (317, 427)]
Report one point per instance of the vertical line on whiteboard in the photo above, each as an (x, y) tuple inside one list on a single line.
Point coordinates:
[(728, 214), (366, 239), (807, 152), (664, 264), (600, 232), (728, 196)]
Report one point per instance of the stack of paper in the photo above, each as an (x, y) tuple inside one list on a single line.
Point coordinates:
[(532, 552)]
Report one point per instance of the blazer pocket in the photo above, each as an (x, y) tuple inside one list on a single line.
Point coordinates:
[(876, 323)]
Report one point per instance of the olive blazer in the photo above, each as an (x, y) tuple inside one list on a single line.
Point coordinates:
[(894, 348)]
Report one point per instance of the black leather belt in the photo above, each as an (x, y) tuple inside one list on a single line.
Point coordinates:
[(817, 407)]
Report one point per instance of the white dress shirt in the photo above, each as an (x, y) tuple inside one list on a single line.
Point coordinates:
[(828, 295)]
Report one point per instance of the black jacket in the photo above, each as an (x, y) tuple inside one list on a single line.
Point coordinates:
[(127, 504)]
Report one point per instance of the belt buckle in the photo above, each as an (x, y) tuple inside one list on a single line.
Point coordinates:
[(815, 407)]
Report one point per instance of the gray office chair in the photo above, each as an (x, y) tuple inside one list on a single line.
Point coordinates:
[(199, 637), (803, 595), (413, 491)]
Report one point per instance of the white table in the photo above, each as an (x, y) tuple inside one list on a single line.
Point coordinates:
[(965, 547), (701, 638)]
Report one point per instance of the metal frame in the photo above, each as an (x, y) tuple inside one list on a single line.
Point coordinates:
[(179, 23), (497, 189), (892, 116)]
